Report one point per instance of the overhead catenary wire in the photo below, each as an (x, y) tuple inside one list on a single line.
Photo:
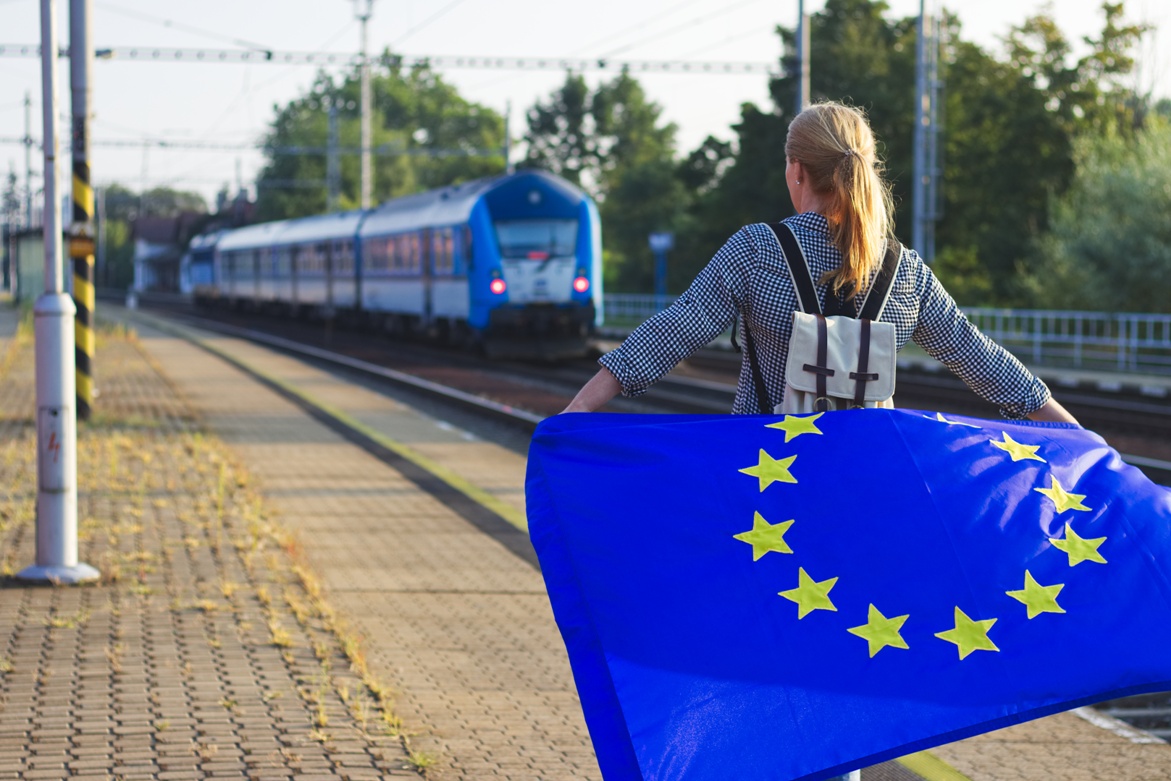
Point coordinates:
[(171, 24), (382, 150), (641, 25), (433, 17), (672, 30), (486, 62)]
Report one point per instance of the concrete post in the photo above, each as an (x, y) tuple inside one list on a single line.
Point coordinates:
[(53, 328)]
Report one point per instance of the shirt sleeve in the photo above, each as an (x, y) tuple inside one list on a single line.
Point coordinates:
[(704, 310), (992, 372)]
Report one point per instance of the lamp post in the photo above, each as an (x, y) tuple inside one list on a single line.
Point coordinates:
[(53, 328), (364, 66)]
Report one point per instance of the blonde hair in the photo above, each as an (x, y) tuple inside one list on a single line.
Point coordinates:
[(835, 145)]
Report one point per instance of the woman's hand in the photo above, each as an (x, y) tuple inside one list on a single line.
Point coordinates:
[(1053, 412), (601, 388)]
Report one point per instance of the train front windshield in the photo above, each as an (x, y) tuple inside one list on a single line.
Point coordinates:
[(536, 239)]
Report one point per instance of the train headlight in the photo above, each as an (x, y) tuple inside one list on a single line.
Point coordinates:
[(497, 286), (581, 284)]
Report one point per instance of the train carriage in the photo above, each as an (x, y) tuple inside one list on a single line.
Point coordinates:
[(512, 263)]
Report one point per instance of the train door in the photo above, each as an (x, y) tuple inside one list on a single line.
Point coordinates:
[(426, 263), (325, 250), (295, 256)]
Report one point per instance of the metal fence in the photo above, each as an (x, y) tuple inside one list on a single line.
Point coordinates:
[(1109, 341)]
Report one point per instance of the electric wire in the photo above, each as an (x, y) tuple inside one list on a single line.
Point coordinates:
[(641, 25), (181, 26), (426, 21), (676, 28)]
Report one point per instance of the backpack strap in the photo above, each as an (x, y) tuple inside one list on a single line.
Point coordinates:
[(820, 370), (766, 407), (798, 268), (879, 292)]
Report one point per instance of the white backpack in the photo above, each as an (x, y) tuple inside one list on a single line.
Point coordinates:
[(840, 359)]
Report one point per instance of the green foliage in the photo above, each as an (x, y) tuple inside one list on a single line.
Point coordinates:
[(1109, 247), (121, 206), (432, 136), (1007, 146), (1005, 153), (1088, 94)]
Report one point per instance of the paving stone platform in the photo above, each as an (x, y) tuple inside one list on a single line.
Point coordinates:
[(268, 586)]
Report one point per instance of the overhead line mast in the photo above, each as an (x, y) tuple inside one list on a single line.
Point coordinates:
[(367, 188), (81, 234)]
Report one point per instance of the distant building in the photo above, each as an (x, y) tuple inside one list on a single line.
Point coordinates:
[(161, 243)]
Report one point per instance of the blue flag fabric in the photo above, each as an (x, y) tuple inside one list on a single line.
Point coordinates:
[(791, 598)]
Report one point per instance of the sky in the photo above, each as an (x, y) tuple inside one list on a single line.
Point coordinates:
[(233, 103)]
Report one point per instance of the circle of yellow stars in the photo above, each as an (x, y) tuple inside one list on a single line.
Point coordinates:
[(968, 634)]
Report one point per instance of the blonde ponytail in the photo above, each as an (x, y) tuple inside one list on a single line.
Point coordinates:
[(835, 145)]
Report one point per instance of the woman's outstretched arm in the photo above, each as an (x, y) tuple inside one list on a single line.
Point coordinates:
[(601, 388), (1052, 412)]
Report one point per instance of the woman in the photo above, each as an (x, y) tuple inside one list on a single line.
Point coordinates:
[(843, 222)]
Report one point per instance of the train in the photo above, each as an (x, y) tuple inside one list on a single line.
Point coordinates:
[(510, 264)]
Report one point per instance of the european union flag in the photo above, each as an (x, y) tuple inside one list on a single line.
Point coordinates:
[(790, 598)]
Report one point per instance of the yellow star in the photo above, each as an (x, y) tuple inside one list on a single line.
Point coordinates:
[(1018, 451), (765, 536), (810, 595), (969, 635), (880, 631), (1037, 598), (796, 425), (769, 470), (1078, 548), (1063, 500)]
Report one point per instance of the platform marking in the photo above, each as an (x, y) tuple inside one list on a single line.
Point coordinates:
[(478, 495), (931, 767), (1111, 724)]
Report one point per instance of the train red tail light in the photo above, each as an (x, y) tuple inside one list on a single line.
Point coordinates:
[(581, 284), (497, 286)]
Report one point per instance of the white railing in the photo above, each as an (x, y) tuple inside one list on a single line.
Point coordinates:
[(1132, 342)]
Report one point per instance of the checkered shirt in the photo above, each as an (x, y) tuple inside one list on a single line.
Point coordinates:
[(749, 277)]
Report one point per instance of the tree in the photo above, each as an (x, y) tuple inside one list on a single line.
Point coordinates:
[(426, 133), (1089, 94), (1109, 247), (1006, 148)]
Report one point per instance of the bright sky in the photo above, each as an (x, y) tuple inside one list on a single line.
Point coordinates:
[(232, 103)]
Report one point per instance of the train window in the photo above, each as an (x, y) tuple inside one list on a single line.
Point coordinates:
[(415, 264), (469, 250), (441, 252), (342, 260), (536, 239)]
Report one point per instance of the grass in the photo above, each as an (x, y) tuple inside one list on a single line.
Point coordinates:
[(160, 497)]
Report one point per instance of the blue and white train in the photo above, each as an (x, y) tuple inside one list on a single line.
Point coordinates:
[(513, 263)]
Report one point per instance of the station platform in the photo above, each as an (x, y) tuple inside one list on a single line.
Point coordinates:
[(303, 578)]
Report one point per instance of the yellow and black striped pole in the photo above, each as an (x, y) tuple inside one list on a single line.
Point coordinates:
[(81, 242), (81, 252)]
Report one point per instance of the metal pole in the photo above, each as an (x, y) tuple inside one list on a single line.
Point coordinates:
[(332, 164), (802, 58), (367, 163), (919, 173), (508, 167), (28, 161), (100, 216), (81, 241), (53, 315)]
